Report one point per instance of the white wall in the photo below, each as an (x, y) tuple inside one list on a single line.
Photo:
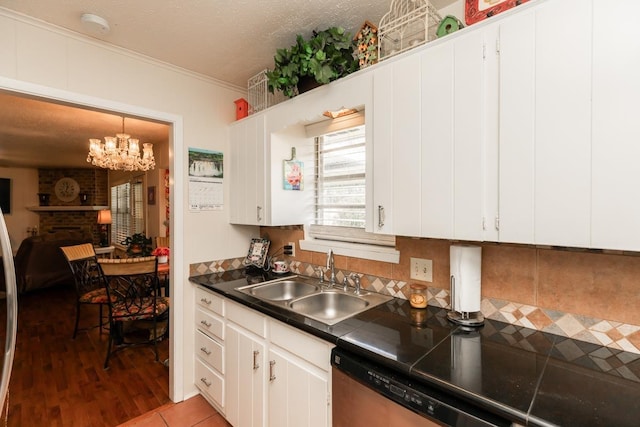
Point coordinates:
[(24, 192), (46, 60)]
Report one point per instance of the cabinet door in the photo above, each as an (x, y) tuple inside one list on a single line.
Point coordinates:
[(396, 148), (437, 142), (248, 177), (517, 133), (244, 378), (468, 134), (616, 135), (298, 392), (563, 123)]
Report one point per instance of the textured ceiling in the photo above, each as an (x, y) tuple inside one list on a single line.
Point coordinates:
[(229, 40)]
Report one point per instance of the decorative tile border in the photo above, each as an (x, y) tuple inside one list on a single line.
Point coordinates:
[(613, 335)]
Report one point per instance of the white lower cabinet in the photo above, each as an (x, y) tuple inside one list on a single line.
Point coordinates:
[(275, 375), (299, 378), (245, 377), (209, 347)]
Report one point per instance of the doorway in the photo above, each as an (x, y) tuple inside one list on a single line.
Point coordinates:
[(175, 149)]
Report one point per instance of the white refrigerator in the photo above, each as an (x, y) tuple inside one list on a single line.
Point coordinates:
[(12, 311)]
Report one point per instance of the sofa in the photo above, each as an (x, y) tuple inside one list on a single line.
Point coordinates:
[(39, 262)]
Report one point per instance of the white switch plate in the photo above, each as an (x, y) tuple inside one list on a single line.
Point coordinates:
[(422, 269)]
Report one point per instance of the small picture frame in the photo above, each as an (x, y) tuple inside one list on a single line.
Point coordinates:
[(257, 255), (151, 195), (293, 175)]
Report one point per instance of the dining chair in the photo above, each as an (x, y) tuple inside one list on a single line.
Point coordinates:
[(135, 305), (90, 289)]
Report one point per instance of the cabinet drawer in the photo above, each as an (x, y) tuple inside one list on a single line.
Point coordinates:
[(209, 323), (247, 318), (308, 347), (209, 351), (210, 301), (209, 382)]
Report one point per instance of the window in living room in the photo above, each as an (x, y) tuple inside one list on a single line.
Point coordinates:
[(127, 210)]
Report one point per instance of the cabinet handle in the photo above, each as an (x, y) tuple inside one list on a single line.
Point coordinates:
[(205, 351), (206, 301), (259, 213), (205, 323), (256, 365), (272, 375), (380, 216), (204, 380)]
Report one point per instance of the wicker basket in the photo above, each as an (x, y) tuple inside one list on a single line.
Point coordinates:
[(409, 23)]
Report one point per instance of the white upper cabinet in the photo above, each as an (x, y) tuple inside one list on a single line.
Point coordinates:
[(616, 134), (437, 142), (516, 135), (247, 150), (396, 148), (563, 123), (468, 136)]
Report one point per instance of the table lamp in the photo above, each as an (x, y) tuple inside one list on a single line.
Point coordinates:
[(104, 219)]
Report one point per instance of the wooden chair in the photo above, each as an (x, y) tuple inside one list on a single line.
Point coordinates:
[(135, 304), (86, 274)]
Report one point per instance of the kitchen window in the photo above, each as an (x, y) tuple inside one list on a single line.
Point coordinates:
[(340, 193), (340, 178), (127, 210)]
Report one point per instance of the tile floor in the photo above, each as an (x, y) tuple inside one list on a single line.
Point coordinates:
[(194, 412)]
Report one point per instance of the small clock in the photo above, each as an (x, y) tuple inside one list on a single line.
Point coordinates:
[(67, 189)]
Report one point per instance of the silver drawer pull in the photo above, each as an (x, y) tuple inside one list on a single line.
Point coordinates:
[(205, 351), (206, 301), (272, 375), (205, 323), (256, 365), (205, 382)]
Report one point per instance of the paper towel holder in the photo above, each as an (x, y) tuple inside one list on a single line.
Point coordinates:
[(465, 318)]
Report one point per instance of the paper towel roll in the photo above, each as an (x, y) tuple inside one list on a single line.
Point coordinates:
[(465, 277)]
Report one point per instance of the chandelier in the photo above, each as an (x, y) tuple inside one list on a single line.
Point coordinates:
[(121, 152)]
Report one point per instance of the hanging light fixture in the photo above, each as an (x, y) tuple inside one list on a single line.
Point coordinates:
[(121, 153)]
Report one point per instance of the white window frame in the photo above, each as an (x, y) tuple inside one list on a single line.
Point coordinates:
[(347, 241), (132, 180)]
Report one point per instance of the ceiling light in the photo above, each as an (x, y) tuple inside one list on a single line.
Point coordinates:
[(121, 153), (95, 24)]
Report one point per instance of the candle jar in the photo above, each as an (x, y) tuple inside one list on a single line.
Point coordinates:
[(418, 296)]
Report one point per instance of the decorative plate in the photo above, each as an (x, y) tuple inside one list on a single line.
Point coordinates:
[(67, 189)]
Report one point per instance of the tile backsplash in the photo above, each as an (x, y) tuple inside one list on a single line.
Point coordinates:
[(586, 295)]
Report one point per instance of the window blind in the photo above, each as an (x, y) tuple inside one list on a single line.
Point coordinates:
[(127, 210), (340, 178)]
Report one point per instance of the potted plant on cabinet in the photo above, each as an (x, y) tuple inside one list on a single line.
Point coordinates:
[(326, 56)]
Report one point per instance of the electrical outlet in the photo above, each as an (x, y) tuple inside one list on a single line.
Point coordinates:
[(290, 249), (422, 269)]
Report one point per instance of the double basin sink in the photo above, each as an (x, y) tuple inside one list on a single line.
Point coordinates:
[(313, 299)]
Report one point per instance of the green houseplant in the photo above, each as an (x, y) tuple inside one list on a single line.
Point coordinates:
[(138, 245), (326, 56)]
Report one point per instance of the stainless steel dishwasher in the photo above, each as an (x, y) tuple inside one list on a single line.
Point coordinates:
[(369, 395)]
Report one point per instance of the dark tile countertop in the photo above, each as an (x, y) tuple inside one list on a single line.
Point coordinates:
[(527, 376)]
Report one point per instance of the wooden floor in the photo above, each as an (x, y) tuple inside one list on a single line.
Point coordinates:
[(58, 381)]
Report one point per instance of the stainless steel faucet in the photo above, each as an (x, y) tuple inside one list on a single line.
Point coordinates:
[(331, 267), (356, 283)]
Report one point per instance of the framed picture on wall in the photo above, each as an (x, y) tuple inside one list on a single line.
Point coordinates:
[(5, 195), (477, 10), (151, 195)]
